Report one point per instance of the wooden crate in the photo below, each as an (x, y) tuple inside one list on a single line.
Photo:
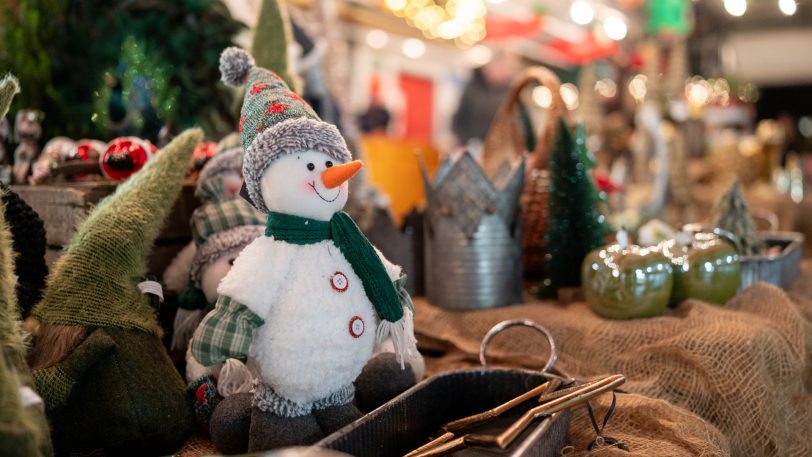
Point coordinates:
[(62, 207)]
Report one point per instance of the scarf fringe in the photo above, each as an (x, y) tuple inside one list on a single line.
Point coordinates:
[(402, 334)]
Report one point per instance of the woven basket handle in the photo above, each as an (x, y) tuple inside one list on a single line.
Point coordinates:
[(504, 141)]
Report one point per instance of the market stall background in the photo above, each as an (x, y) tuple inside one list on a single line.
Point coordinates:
[(653, 115)]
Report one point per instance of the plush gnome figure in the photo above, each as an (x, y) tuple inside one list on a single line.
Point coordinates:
[(312, 298), (23, 427), (109, 386), (221, 228)]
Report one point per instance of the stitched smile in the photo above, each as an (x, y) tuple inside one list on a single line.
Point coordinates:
[(313, 185)]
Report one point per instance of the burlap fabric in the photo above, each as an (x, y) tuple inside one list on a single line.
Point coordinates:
[(744, 368)]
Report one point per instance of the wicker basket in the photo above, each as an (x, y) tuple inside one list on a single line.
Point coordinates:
[(505, 141)]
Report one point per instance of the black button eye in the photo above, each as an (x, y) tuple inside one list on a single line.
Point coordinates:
[(231, 261), (311, 167), (328, 164)]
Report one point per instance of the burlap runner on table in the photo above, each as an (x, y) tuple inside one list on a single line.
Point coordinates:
[(745, 368)]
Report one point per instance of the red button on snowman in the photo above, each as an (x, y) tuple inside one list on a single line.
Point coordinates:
[(356, 326), (339, 282)]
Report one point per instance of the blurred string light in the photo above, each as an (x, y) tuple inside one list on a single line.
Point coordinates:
[(542, 96), (377, 39), (413, 48), (747, 92), (736, 7), (569, 93), (637, 87), (581, 12), (805, 126), (479, 54), (788, 7), (698, 91), (460, 20), (615, 28), (606, 88)]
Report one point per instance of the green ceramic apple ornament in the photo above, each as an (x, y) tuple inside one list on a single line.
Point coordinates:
[(623, 281), (706, 268)]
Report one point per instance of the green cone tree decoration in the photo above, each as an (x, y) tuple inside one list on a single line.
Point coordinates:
[(271, 38), (23, 429), (575, 226), (732, 214)]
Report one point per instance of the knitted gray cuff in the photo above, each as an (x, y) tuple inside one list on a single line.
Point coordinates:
[(267, 400), (235, 239), (289, 137)]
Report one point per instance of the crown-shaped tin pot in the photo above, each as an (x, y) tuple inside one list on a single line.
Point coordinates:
[(473, 236)]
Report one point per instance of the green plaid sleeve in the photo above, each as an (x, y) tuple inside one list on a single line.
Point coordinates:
[(225, 333)]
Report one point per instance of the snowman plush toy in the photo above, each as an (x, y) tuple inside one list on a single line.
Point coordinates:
[(312, 300)]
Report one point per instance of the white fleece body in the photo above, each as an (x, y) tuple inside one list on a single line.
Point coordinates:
[(307, 349)]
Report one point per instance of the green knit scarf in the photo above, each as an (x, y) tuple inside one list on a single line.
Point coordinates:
[(341, 229)]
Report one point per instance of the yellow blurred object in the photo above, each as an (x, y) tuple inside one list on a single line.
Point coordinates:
[(394, 168)]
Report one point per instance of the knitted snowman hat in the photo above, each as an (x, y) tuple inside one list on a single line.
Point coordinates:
[(210, 181), (274, 121), (222, 227), (95, 282)]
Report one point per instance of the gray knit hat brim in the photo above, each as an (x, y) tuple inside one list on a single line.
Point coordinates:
[(289, 137), (220, 243)]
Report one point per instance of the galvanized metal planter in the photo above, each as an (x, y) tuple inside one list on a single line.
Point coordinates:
[(411, 419), (473, 252), (779, 269)]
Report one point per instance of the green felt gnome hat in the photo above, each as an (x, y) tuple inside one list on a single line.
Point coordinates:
[(23, 429), (274, 121), (8, 88), (94, 283)]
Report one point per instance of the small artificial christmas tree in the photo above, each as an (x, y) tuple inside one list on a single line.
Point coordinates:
[(588, 159), (575, 225), (271, 38), (732, 214)]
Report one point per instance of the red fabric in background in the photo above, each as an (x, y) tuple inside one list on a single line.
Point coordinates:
[(419, 95)]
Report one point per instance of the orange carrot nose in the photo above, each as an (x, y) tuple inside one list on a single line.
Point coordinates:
[(337, 174)]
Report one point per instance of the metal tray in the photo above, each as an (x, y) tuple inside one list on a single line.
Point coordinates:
[(779, 269), (414, 417)]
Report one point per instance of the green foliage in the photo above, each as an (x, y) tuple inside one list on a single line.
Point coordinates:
[(62, 50), (138, 64), (575, 226), (26, 26)]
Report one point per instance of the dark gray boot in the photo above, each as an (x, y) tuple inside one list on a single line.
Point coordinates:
[(381, 380), (270, 431), (334, 417), (230, 424)]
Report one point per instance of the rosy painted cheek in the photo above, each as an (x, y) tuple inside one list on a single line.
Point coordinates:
[(344, 186), (307, 188)]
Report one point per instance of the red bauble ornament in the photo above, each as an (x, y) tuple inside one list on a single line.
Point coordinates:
[(204, 150), (124, 156), (87, 150)]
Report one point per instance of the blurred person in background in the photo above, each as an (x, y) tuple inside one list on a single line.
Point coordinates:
[(481, 98)]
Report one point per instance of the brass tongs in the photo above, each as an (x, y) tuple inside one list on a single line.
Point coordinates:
[(450, 442)]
